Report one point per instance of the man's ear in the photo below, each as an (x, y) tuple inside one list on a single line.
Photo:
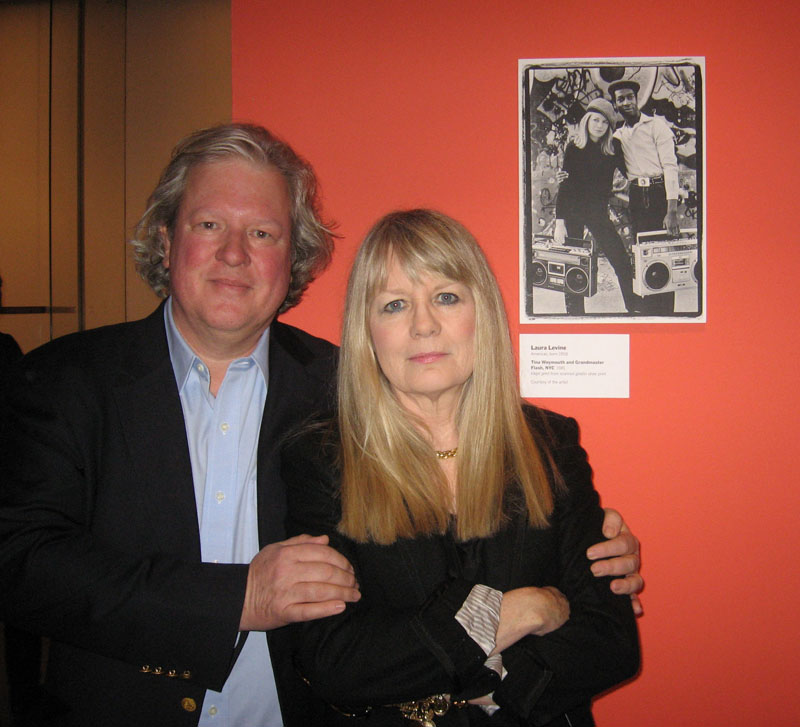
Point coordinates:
[(167, 245)]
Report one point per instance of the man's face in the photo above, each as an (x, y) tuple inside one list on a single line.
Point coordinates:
[(625, 102), (230, 254)]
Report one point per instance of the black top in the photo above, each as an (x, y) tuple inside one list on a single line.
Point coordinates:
[(591, 174), (401, 641)]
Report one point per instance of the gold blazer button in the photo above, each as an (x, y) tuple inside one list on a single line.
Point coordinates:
[(188, 704)]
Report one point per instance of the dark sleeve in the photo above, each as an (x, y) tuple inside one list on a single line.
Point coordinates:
[(598, 646), (9, 351), (619, 158), (65, 570), (379, 650), (565, 200)]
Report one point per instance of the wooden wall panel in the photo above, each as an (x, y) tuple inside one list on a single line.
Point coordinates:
[(104, 162), (24, 169), (94, 96), (178, 80)]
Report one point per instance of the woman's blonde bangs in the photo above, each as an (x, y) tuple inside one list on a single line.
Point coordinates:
[(421, 246)]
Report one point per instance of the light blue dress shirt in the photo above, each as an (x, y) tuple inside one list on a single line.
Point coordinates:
[(223, 442)]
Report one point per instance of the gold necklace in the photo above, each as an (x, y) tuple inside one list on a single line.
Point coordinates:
[(446, 453)]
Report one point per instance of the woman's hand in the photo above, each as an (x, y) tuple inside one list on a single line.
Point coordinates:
[(530, 610)]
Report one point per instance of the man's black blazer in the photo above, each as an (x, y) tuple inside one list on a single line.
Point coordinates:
[(99, 542)]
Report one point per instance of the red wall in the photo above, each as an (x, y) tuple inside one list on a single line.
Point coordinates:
[(415, 103)]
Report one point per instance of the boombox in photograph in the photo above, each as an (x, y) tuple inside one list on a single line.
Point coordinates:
[(571, 267), (662, 264)]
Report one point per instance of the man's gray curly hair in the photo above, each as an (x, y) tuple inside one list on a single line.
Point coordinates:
[(311, 239)]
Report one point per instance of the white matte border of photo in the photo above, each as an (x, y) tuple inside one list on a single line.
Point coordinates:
[(595, 64)]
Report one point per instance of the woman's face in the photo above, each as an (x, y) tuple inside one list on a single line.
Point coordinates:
[(596, 126), (423, 333)]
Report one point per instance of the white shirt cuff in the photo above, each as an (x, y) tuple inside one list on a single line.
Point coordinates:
[(480, 616)]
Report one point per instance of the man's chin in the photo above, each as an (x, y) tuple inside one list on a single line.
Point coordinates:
[(228, 321), (232, 325)]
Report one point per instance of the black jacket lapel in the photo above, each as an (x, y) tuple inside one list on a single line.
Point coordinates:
[(151, 415)]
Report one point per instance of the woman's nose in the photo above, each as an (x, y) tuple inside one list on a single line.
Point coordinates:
[(424, 322)]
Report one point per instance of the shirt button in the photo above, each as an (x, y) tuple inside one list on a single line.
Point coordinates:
[(220, 496), (213, 711), (201, 368), (224, 427)]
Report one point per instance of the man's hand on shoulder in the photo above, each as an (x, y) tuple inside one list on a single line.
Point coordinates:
[(299, 579), (618, 556)]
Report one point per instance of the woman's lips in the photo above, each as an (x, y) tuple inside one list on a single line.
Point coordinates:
[(427, 357)]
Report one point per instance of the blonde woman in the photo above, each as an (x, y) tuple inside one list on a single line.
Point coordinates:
[(465, 513), (588, 173)]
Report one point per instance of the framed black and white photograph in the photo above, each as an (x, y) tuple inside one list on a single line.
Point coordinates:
[(612, 217)]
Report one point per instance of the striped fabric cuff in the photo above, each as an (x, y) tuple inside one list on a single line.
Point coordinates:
[(480, 615)]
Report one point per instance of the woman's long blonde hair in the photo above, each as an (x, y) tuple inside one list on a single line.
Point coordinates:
[(392, 485)]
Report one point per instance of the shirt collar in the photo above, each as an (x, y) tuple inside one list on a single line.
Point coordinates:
[(183, 357)]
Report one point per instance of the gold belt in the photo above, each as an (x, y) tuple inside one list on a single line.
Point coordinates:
[(422, 711), (418, 711)]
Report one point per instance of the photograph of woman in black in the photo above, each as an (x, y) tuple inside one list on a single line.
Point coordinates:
[(588, 174)]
